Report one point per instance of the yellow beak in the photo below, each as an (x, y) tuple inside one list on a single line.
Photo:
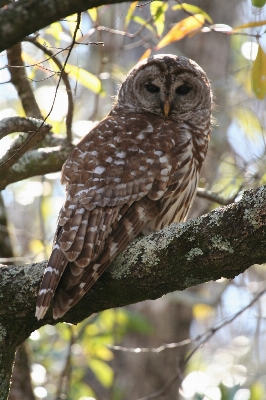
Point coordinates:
[(166, 108)]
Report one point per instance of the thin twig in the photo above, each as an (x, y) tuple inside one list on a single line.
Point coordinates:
[(202, 339), (70, 111), (17, 154), (207, 194)]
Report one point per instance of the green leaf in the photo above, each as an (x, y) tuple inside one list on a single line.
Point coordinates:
[(85, 78), (258, 75), (158, 10), (130, 13), (258, 3), (193, 10)]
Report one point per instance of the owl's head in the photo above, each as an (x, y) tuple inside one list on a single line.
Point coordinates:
[(165, 85)]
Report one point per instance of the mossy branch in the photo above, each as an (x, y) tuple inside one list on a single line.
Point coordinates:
[(223, 243)]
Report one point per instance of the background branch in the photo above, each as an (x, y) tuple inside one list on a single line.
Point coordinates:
[(21, 18), (20, 81)]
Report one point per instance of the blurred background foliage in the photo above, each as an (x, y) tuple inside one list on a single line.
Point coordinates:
[(117, 354)]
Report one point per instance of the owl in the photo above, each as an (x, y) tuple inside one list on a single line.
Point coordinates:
[(135, 172)]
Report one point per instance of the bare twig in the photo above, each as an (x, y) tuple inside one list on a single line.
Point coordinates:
[(207, 194), (202, 339), (65, 79)]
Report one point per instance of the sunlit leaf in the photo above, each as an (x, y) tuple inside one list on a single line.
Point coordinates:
[(249, 122), (36, 246), (182, 29), (93, 14), (257, 391), (102, 352), (258, 75), (250, 25), (192, 9), (221, 28), (142, 22), (85, 78), (130, 13), (258, 3), (202, 311), (158, 10), (103, 372), (145, 55), (72, 23), (55, 30)]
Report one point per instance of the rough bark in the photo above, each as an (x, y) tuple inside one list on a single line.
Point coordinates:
[(21, 18), (222, 243)]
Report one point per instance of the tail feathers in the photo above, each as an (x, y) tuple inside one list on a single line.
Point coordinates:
[(72, 288), (52, 274), (65, 299)]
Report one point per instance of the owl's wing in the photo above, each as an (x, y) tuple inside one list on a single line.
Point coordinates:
[(113, 178)]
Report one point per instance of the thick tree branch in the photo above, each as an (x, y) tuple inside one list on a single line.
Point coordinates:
[(222, 243), (21, 18), (37, 162)]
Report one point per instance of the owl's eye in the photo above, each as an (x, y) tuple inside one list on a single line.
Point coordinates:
[(152, 88), (183, 89)]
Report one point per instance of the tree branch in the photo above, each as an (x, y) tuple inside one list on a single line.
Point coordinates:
[(37, 130), (223, 243), (20, 81), (21, 18), (37, 162)]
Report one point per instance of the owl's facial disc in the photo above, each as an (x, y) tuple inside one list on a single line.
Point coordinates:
[(168, 92)]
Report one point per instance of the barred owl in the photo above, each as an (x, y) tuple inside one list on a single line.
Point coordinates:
[(135, 172)]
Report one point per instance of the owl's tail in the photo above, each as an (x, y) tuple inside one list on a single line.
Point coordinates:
[(52, 274), (67, 295)]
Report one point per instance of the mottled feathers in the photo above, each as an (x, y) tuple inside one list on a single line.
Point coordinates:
[(136, 171)]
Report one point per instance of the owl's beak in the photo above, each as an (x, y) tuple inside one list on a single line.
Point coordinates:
[(166, 108)]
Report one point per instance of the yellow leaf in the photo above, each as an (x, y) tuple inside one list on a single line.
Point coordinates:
[(103, 372), (182, 29), (202, 311), (142, 22), (258, 75), (36, 246), (250, 25), (72, 23), (145, 55), (192, 9), (130, 13), (93, 14), (85, 78), (55, 30)]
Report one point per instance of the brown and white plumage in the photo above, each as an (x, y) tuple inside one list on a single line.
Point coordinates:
[(136, 171)]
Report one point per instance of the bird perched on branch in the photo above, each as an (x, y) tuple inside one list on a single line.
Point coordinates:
[(135, 172)]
